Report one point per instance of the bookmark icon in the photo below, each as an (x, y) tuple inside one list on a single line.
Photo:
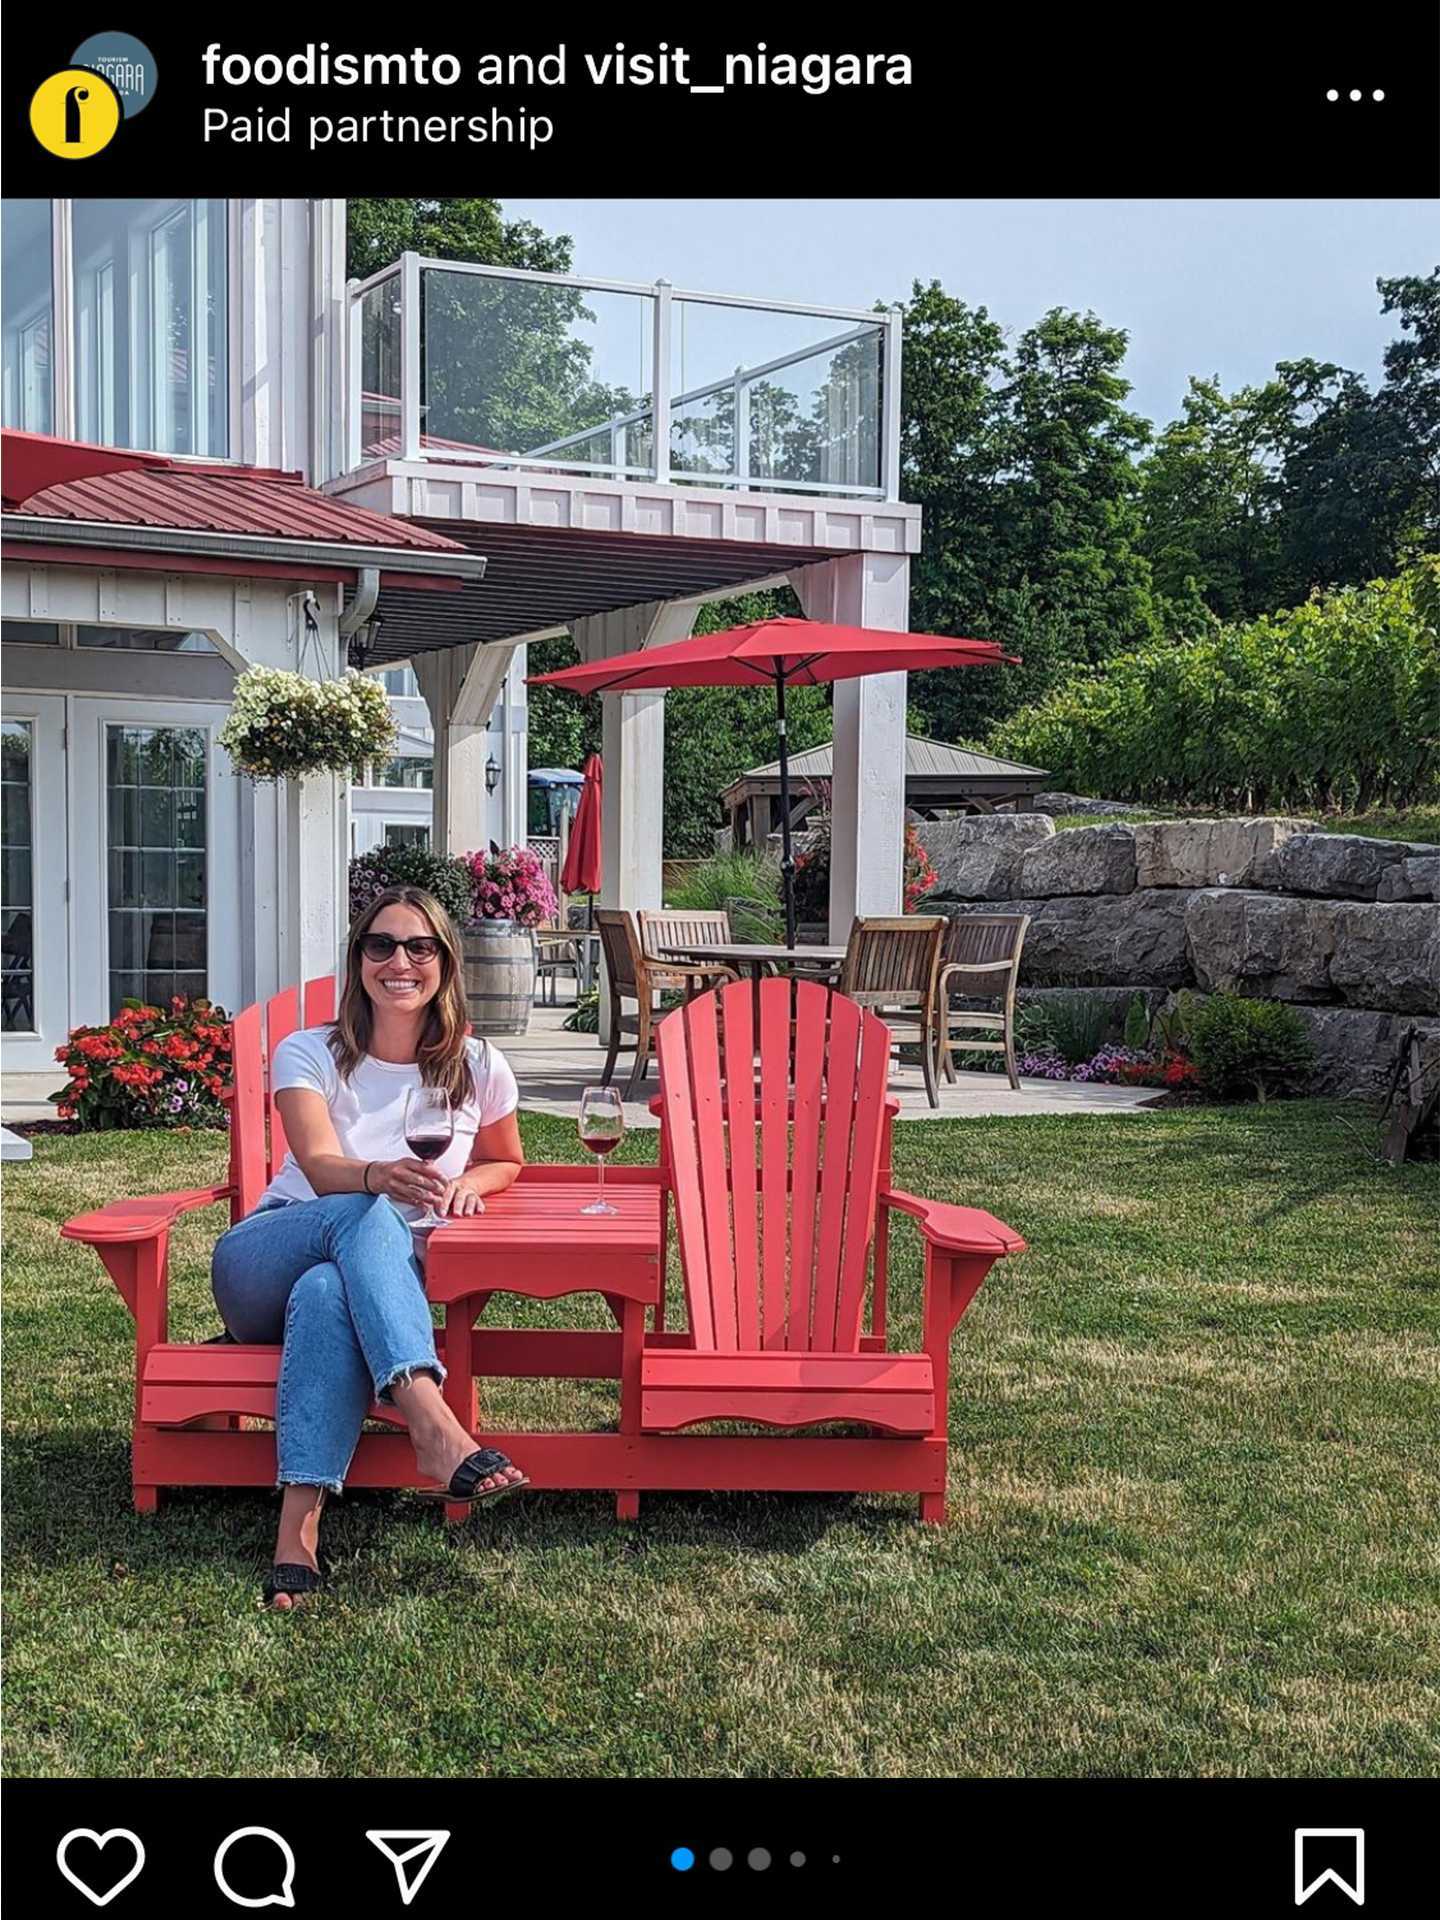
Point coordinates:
[(412, 1851), (1330, 1854)]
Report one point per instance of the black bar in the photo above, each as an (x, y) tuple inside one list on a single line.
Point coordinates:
[(1143, 1848)]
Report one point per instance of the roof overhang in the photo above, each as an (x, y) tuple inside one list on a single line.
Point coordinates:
[(107, 543), (539, 578)]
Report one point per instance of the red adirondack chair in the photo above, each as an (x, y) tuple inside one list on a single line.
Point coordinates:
[(191, 1400), (782, 1187)]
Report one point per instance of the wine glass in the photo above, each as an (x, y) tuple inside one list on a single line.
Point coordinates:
[(602, 1121), (429, 1129)]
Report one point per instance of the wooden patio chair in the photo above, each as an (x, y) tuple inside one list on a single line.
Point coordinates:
[(782, 1189), (980, 959), (557, 951), (891, 966), (633, 976), (679, 927)]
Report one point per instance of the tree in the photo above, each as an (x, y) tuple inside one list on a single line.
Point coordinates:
[(1023, 461), (1207, 501), (1411, 389), (1309, 480)]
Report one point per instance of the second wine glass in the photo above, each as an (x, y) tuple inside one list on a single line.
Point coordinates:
[(602, 1122)]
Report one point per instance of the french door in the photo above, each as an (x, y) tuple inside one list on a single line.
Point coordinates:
[(34, 936), (155, 856)]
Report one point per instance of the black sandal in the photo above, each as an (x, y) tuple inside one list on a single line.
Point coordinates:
[(465, 1485), (289, 1576)]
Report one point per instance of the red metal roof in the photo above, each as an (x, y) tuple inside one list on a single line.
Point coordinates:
[(230, 500)]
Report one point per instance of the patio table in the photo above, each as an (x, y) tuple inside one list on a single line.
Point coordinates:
[(808, 961), (534, 1240)]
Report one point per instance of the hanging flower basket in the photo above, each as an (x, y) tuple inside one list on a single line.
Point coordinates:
[(282, 725)]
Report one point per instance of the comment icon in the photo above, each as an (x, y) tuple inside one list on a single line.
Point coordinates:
[(279, 1896)]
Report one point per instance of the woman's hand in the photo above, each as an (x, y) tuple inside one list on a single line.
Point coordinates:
[(409, 1183), (460, 1199)]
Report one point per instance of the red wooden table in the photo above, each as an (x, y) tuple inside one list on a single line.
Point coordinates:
[(534, 1240)]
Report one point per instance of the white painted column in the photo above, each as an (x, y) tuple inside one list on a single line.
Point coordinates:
[(295, 840), (867, 799), (633, 752), (316, 896), (515, 755), (461, 685)]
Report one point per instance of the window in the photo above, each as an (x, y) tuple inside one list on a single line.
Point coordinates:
[(405, 770), (17, 908), (156, 816), (29, 304), (144, 639), (147, 285), (401, 681), (30, 633), (401, 834), (150, 287)]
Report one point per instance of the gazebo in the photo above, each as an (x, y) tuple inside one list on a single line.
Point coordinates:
[(939, 779)]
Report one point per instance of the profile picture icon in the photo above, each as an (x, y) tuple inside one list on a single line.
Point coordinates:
[(75, 113)]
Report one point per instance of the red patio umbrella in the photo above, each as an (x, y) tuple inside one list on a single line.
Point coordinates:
[(34, 461), (780, 653), (584, 860)]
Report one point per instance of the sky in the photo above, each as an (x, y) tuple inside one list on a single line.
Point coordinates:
[(1207, 287)]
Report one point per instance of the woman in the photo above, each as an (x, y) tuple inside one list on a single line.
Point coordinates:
[(327, 1263)]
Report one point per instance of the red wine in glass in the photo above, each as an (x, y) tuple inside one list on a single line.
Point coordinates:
[(602, 1121), (429, 1129), (426, 1146)]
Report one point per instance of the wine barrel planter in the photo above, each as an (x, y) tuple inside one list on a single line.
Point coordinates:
[(499, 976)]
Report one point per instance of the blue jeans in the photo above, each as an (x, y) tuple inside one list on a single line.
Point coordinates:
[(336, 1280)]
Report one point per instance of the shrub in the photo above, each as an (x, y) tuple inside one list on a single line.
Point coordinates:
[(584, 1016), (1137, 1023), (1242, 1047), (1075, 1026), (511, 885), (745, 885), (446, 876), (1327, 704), (148, 1068), (281, 724), (920, 876)]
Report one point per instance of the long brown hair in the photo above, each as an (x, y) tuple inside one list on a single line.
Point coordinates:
[(441, 1055)]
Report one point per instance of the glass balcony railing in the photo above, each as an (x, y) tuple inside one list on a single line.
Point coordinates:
[(502, 368)]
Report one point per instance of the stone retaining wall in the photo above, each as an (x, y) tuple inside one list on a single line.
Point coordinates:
[(1345, 927)]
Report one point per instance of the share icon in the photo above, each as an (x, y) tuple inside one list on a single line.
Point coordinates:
[(411, 1851)]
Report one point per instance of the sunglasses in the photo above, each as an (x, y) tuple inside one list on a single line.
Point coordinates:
[(380, 946)]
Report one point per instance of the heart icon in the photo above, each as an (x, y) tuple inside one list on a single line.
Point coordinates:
[(101, 1840)]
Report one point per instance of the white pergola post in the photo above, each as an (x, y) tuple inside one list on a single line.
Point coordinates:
[(867, 797), (295, 887), (460, 685), (633, 753)]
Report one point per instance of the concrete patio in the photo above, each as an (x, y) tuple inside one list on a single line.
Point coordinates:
[(553, 1067)]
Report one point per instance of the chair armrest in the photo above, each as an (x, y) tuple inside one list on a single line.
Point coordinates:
[(976, 966), (951, 1229), (129, 1220)]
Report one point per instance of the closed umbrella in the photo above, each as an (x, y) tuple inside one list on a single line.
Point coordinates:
[(779, 653), (584, 859)]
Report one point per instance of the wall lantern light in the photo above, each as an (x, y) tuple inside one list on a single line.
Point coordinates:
[(492, 774)]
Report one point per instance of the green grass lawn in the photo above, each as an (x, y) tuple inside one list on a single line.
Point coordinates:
[(1194, 1487)]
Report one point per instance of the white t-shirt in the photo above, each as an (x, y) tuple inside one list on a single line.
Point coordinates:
[(368, 1110)]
